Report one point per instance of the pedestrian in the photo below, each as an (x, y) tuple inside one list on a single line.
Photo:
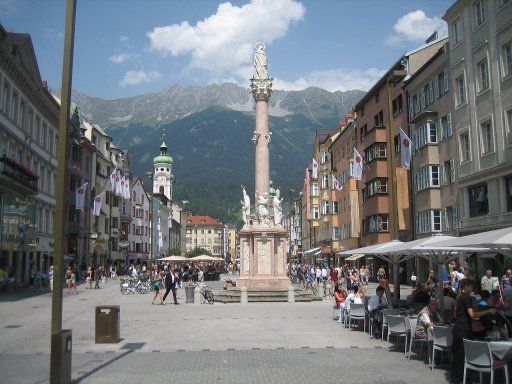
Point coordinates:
[(414, 279), (97, 277), (318, 274), (72, 283), (170, 284), (88, 279), (158, 286), (462, 329), (50, 276), (381, 274)]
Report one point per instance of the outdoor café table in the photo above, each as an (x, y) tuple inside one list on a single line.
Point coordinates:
[(501, 349)]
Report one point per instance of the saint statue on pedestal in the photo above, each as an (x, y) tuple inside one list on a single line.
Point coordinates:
[(260, 62)]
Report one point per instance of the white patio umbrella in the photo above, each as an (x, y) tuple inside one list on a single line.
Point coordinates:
[(173, 258), (205, 258), (499, 240)]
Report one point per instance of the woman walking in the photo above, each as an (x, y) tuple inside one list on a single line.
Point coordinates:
[(157, 281)]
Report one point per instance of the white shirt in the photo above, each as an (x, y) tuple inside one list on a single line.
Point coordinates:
[(134, 272), (318, 272), (324, 272), (373, 303)]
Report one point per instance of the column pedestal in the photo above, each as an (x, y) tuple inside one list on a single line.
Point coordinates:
[(263, 258)]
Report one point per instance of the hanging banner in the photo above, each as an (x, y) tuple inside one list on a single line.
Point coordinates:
[(402, 199), (80, 197)]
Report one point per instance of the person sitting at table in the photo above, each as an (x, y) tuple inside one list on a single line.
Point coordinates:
[(339, 295), (448, 304), (375, 306), (427, 318)]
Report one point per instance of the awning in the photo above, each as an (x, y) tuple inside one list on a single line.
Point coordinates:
[(357, 256), (317, 253), (312, 250)]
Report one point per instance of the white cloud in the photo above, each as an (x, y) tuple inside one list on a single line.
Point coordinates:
[(122, 57), (123, 39), (336, 79), (139, 77), (224, 42), (416, 26)]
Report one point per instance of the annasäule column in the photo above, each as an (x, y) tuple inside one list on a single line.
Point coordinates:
[(261, 91)]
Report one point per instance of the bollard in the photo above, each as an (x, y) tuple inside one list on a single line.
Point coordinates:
[(291, 294), (243, 295), (321, 290), (328, 289), (197, 295)]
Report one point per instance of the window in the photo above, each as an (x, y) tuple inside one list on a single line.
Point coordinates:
[(378, 119), (457, 31), (397, 105), (315, 213), (115, 222), (478, 203), (442, 83), (139, 213), (363, 131), (465, 148), (508, 192), (376, 186), (507, 59), (139, 230), (375, 151), (72, 216), (324, 158), (427, 177), (451, 220), (508, 125), (483, 75), (460, 91), (425, 134), (335, 209), (376, 223), (325, 181), (325, 207), (314, 189), (446, 126), (428, 91), (335, 233), (479, 12), (448, 172), (428, 221), (487, 137)]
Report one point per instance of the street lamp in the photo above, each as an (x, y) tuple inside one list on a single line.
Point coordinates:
[(290, 218)]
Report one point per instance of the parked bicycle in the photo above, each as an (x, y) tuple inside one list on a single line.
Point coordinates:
[(207, 295)]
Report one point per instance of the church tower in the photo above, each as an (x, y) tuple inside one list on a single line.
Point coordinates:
[(162, 178)]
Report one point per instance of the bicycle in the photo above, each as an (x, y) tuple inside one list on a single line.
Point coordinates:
[(294, 279), (207, 295)]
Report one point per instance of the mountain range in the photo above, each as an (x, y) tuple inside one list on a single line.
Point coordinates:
[(208, 130)]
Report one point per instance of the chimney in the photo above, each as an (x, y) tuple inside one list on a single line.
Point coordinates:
[(45, 84)]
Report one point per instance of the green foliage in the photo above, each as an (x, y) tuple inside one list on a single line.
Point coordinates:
[(198, 251), (174, 251)]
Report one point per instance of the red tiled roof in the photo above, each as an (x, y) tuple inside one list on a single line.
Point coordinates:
[(202, 220)]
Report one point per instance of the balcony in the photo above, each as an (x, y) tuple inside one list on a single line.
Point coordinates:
[(18, 177)]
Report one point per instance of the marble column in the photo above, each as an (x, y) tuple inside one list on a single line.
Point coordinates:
[(261, 91)]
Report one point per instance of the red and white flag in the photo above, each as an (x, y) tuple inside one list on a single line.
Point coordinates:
[(113, 176), (80, 197), (406, 149), (127, 188), (336, 184), (118, 187), (315, 169), (357, 166), (122, 181), (98, 202)]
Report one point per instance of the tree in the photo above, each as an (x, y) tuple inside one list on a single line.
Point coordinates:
[(174, 251), (198, 251)]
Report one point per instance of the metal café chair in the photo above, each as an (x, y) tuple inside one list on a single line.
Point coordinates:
[(413, 322), (357, 312), (442, 341), (385, 314), (478, 357), (397, 327)]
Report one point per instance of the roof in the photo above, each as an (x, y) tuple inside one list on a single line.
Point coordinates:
[(426, 65), (202, 220), (162, 160)]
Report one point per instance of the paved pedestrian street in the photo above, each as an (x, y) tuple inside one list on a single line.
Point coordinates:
[(220, 343)]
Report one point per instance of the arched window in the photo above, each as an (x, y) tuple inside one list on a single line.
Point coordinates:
[(161, 190)]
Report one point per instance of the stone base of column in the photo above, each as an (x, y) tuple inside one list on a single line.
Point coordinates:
[(263, 258)]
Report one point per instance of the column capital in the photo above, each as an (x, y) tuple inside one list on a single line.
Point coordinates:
[(261, 89)]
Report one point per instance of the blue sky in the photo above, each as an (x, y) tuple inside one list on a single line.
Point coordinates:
[(131, 47)]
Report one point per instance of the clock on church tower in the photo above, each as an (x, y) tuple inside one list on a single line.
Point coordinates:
[(162, 178)]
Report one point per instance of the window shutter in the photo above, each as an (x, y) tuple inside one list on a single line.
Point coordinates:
[(445, 74), (445, 220), (422, 100), (436, 88), (455, 217), (449, 123), (442, 172), (452, 171)]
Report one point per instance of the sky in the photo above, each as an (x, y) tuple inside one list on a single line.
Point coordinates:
[(132, 47)]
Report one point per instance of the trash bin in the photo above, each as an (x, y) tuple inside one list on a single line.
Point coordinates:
[(189, 293), (60, 360), (107, 324)]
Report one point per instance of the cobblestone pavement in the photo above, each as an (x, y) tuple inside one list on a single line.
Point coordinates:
[(223, 343)]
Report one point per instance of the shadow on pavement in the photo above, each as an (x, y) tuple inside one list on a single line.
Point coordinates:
[(130, 347), (22, 294)]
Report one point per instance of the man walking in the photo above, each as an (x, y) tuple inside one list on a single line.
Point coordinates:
[(170, 285), (97, 277)]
